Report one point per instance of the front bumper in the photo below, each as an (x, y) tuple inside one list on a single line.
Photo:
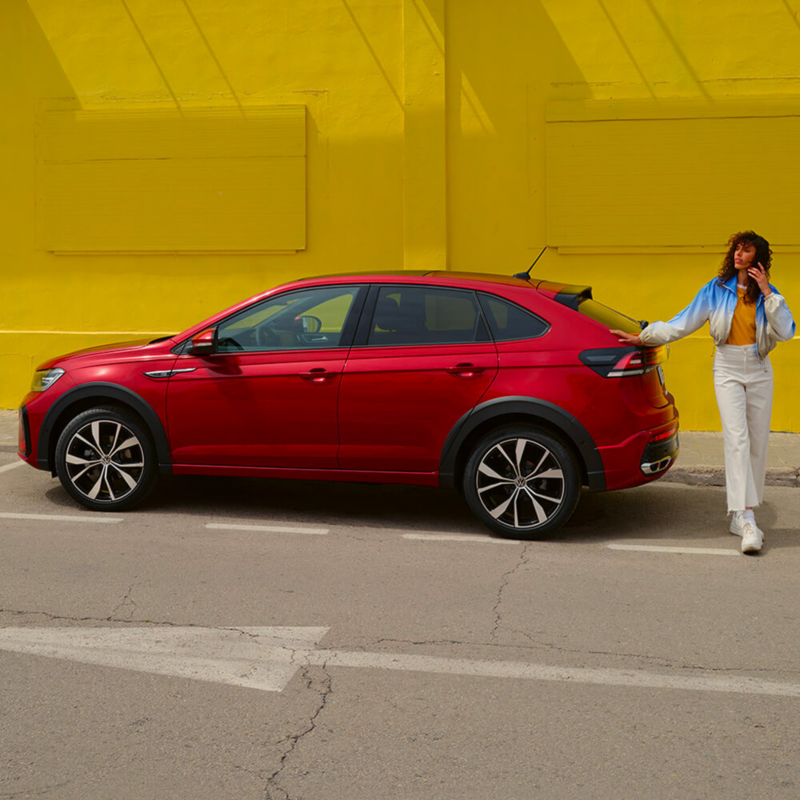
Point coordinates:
[(24, 444)]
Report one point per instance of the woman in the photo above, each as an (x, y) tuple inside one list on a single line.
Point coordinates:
[(747, 319)]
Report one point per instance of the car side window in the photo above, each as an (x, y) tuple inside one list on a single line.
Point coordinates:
[(409, 315), (304, 319), (510, 322)]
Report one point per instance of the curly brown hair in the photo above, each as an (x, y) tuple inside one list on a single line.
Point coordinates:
[(763, 256)]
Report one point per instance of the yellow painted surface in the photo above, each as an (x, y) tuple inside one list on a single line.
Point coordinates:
[(437, 133), (167, 181), (638, 182), (424, 135)]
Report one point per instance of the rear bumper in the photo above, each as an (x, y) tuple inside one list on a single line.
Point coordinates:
[(658, 457), (638, 459)]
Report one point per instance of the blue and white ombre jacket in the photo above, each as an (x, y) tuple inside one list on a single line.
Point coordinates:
[(715, 303)]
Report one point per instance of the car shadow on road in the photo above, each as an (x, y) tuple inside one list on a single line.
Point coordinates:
[(661, 513)]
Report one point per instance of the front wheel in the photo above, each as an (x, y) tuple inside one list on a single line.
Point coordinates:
[(105, 459), (522, 482)]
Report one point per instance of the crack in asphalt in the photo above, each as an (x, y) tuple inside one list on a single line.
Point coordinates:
[(522, 561), (105, 619), (658, 660), (127, 600), (35, 792), (273, 790)]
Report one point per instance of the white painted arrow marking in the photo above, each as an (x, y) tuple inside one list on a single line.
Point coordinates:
[(258, 658), (267, 658)]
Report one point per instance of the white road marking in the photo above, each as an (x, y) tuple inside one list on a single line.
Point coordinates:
[(12, 466), (267, 528), (648, 548), (257, 658), (267, 658), (100, 517), (454, 537)]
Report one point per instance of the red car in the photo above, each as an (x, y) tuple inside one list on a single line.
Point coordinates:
[(512, 390)]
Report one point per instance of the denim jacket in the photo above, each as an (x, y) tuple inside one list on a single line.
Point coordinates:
[(715, 303)]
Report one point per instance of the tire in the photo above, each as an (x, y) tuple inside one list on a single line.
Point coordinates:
[(93, 467), (522, 482)]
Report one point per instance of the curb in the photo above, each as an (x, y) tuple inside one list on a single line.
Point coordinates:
[(715, 476)]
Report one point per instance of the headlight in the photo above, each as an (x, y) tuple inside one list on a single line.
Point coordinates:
[(45, 378)]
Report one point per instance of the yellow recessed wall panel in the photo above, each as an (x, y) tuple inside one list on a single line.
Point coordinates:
[(150, 181), (665, 182)]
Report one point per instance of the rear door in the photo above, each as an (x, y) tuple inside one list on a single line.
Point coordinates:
[(423, 358)]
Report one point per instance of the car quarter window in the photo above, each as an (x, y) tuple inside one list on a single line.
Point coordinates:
[(409, 315), (303, 319), (510, 322)]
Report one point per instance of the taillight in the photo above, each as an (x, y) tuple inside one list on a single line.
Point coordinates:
[(630, 364), (621, 362)]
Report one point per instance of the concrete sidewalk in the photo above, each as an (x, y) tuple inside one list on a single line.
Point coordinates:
[(701, 461)]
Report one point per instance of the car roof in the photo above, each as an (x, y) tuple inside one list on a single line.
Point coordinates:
[(388, 275)]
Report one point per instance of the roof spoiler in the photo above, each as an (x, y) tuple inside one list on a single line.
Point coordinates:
[(567, 295)]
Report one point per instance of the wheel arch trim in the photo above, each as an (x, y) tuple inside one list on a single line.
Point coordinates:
[(531, 407), (104, 392)]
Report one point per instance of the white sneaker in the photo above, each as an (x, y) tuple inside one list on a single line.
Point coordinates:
[(752, 538), (736, 525)]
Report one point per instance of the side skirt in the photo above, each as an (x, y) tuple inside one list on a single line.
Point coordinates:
[(354, 476)]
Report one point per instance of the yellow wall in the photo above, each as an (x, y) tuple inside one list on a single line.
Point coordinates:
[(433, 129)]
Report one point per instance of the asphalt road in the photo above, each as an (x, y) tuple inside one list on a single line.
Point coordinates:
[(328, 654)]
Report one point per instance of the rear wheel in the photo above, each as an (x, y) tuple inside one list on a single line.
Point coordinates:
[(522, 482), (105, 459)]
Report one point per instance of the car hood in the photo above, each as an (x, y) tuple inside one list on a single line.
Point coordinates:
[(112, 348)]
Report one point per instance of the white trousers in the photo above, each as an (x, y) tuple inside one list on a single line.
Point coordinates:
[(744, 387)]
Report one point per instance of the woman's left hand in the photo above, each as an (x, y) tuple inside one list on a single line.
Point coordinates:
[(760, 277)]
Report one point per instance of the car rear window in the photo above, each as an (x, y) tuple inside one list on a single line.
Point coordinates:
[(509, 322), (607, 316)]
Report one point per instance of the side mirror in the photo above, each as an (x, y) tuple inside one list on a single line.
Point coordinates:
[(203, 343), (310, 323)]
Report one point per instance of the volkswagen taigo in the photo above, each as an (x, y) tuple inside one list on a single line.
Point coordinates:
[(511, 390)]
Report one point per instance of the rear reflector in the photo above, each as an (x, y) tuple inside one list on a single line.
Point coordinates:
[(658, 437)]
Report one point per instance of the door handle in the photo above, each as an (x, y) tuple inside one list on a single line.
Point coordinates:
[(318, 375), (465, 370)]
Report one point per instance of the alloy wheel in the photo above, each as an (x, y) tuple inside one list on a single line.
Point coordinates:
[(520, 483), (105, 461)]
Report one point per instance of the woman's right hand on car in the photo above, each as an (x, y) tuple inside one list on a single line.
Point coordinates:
[(628, 338)]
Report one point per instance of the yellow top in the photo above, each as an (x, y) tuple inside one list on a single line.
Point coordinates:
[(743, 325)]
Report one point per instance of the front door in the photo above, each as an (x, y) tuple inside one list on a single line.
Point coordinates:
[(427, 360), (267, 396)]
